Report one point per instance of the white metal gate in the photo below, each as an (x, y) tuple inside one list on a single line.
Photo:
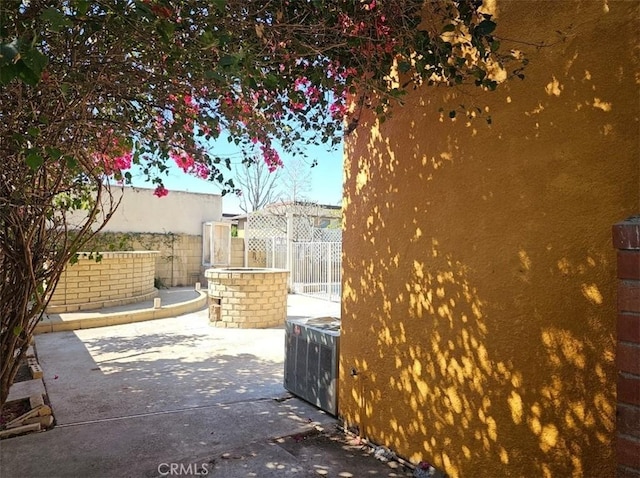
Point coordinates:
[(316, 269)]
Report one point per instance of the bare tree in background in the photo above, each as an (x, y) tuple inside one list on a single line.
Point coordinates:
[(296, 181), (257, 184)]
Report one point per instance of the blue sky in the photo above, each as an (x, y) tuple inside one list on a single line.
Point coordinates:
[(326, 177)]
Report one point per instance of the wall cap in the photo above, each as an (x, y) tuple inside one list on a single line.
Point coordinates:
[(115, 254), (626, 234)]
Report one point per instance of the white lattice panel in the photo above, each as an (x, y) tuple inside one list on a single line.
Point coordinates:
[(331, 235), (302, 229), (265, 226)]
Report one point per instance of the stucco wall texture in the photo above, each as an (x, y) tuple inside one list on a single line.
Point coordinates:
[(478, 274), (181, 212)]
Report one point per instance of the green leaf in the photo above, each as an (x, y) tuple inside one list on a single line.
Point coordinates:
[(404, 66), (56, 19), (227, 60), (72, 163), (448, 28), (219, 4), (17, 330), (82, 7), (485, 27), (34, 159), (55, 153), (26, 74), (34, 60), (7, 73), (166, 30), (213, 75)]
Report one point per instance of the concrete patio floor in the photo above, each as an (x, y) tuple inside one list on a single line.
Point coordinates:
[(177, 397)]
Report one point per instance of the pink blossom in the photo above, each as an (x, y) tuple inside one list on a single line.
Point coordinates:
[(271, 158), (300, 83), (184, 160), (201, 170), (313, 92), (123, 162), (188, 125), (337, 110), (160, 191)]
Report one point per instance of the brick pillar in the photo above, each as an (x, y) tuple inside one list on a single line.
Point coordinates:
[(626, 238)]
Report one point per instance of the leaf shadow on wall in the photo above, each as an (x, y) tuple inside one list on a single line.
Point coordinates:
[(478, 292)]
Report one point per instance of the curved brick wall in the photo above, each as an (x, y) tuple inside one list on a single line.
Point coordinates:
[(119, 278), (247, 297)]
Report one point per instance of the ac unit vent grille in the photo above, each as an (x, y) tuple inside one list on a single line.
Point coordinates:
[(311, 361)]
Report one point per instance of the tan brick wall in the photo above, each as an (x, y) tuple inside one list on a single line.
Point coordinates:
[(118, 278), (179, 262), (237, 252), (249, 298)]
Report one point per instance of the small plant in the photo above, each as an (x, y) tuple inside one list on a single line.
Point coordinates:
[(159, 283)]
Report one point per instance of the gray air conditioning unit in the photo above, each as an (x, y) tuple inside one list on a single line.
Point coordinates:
[(311, 360)]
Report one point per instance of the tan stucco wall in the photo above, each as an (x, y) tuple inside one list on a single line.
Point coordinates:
[(180, 212), (478, 273)]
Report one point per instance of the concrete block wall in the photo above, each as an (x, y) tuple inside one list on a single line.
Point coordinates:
[(119, 278), (626, 239), (247, 298), (179, 262)]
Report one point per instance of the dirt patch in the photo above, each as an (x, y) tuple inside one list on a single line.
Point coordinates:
[(13, 410), (334, 454), (27, 414)]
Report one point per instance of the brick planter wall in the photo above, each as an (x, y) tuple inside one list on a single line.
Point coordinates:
[(119, 278), (247, 297), (626, 238)]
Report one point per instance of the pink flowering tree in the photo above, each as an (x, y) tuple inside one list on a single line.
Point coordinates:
[(88, 89)]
